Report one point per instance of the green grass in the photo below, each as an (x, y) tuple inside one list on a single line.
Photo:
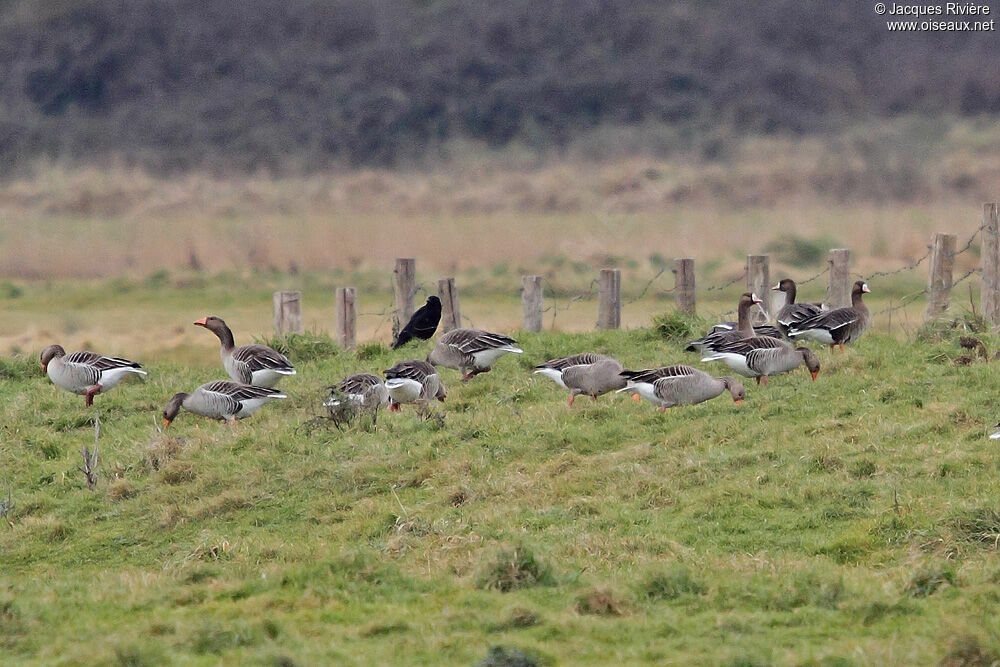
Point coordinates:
[(853, 520)]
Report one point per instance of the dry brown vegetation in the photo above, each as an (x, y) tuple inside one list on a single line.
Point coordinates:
[(880, 201)]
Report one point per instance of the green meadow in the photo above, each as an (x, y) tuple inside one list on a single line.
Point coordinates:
[(851, 520)]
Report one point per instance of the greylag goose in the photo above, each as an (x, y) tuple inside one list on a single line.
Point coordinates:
[(85, 373), (220, 399), (471, 351), (249, 364), (422, 324), (761, 356), (413, 381), (792, 312), (587, 373), (839, 326), (363, 390), (719, 336), (680, 385)]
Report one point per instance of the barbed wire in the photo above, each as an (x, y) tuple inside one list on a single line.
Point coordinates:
[(732, 282), (971, 241), (816, 277), (650, 284), (909, 267), (904, 301)]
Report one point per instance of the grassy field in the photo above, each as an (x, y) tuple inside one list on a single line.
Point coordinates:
[(853, 520)]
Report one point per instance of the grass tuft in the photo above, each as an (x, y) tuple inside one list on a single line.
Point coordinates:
[(677, 326), (928, 580), (601, 601), (968, 651), (302, 347), (671, 584), (515, 568), (978, 525), (502, 656)]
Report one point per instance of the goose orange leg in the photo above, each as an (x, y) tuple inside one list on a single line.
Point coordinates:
[(96, 389)]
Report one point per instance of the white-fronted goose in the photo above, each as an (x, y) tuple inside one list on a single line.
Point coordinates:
[(720, 336), (471, 351), (680, 385), (220, 399), (413, 381), (839, 326), (587, 373), (250, 364), (792, 312), (761, 356), (364, 390), (85, 373)]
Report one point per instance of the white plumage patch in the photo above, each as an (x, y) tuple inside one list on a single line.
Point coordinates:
[(554, 375), (818, 335), (486, 358), (113, 376), (403, 390), (737, 362)]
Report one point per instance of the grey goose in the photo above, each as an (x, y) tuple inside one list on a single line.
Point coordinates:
[(680, 385), (762, 356), (85, 373), (471, 351), (413, 381), (363, 390), (249, 364), (220, 399), (587, 373)]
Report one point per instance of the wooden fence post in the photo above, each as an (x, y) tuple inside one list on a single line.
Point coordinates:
[(531, 302), (287, 312), (346, 317), (404, 287), (940, 276), (990, 297), (684, 285), (451, 315), (838, 292), (759, 282), (609, 299)]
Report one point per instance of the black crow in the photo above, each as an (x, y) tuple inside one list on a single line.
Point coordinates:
[(422, 325)]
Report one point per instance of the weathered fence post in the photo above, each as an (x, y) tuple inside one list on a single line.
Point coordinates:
[(990, 297), (838, 292), (531, 302), (451, 316), (759, 282), (346, 317), (684, 285), (287, 312), (939, 279), (404, 287), (609, 299)]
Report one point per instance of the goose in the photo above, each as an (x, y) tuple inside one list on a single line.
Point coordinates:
[(720, 336), (221, 399), (363, 390), (792, 312), (423, 323), (760, 357), (995, 436), (471, 351), (85, 373), (680, 385), (839, 326), (254, 364), (413, 381), (587, 373)]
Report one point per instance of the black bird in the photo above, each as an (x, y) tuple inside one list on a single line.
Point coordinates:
[(422, 325)]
